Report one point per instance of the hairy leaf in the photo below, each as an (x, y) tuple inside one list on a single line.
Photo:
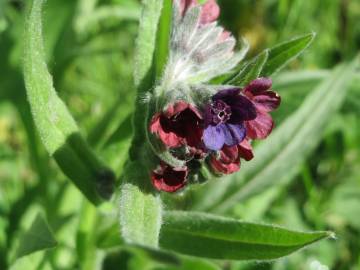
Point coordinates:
[(163, 39), (50, 114), (144, 68), (281, 54), (251, 70), (205, 235), (58, 130), (145, 44)]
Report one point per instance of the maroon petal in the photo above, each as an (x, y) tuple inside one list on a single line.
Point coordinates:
[(168, 137), (226, 94), (260, 127), (267, 101), (229, 154), (229, 161), (193, 135), (242, 109), (169, 179), (178, 107), (258, 86), (245, 150), (178, 125)]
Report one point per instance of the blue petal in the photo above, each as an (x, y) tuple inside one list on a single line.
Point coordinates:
[(214, 137), (234, 134)]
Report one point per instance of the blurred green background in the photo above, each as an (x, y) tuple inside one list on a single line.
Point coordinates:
[(89, 46)]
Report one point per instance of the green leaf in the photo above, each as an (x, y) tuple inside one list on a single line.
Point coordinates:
[(251, 70), (163, 39), (50, 114), (286, 148), (281, 54), (38, 237), (144, 67), (145, 44), (204, 235), (57, 128), (85, 237), (140, 209)]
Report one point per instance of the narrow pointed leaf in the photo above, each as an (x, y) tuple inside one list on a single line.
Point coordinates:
[(163, 39), (204, 235), (144, 73), (57, 128), (281, 54), (38, 237), (251, 70), (145, 44), (140, 208)]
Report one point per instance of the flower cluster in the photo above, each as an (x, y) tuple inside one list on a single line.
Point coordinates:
[(215, 131)]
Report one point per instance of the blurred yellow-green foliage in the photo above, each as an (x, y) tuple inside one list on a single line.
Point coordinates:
[(89, 46)]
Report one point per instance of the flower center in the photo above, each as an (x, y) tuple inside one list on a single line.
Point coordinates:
[(221, 112)]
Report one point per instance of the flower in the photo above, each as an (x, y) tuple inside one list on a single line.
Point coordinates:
[(229, 158), (178, 125), (169, 179), (200, 49), (210, 11), (225, 117), (264, 101)]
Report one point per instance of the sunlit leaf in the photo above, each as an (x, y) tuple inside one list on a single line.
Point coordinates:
[(163, 39), (205, 235), (281, 54), (144, 70), (57, 128), (145, 44), (251, 70)]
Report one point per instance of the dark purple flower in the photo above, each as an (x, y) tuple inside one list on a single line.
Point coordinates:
[(169, 179), (265, 101), (224, 119), (178, 125)]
